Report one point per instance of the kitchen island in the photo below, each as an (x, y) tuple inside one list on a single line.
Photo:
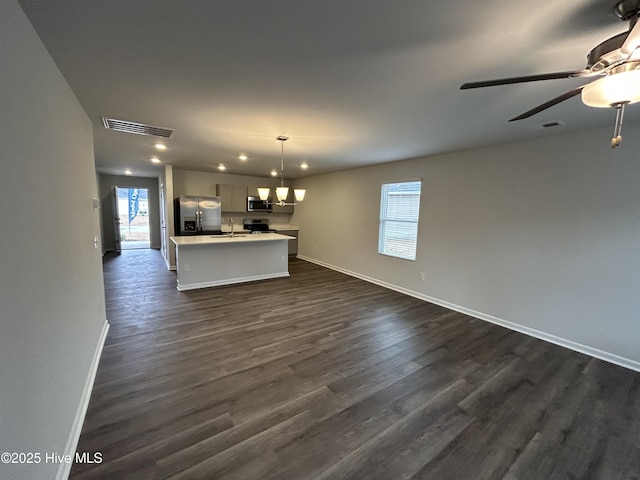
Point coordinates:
[(212, 260)]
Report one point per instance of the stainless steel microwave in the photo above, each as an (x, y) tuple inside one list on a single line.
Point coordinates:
[(254, 204)]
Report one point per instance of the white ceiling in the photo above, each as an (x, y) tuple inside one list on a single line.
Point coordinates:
[(351, 82)]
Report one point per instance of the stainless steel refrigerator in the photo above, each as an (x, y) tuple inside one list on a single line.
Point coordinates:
[(198, 215)]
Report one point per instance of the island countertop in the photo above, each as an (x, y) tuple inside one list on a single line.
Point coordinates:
[(183, 241), (213, 260)]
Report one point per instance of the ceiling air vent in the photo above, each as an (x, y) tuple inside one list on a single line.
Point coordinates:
[(556, 123), (137, 128)]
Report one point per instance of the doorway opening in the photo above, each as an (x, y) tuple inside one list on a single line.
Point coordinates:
[(133, 214)]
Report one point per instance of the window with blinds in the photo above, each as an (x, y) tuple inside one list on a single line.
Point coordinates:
[(399, 212)]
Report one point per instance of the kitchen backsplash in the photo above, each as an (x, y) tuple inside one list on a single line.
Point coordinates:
[(271, 218)]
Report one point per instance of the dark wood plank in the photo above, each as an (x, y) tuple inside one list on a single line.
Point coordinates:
[(321, 375)]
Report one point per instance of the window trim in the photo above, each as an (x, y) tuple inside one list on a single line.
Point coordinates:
[(381, 219)]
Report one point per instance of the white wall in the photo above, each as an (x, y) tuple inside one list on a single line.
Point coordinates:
[(544, 234), (52, 310)]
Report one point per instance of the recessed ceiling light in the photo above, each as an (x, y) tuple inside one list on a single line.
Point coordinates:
[(221, 167), (128, 172), (161, 146), (304, 166), (242, 157), (155, 160), (274, 173)]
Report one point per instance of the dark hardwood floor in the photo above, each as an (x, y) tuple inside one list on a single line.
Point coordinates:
[(324, 376)]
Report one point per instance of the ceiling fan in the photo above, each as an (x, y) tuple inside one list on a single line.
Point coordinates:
[(616, 61)]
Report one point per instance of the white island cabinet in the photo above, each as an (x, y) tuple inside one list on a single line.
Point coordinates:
[(208, 261)]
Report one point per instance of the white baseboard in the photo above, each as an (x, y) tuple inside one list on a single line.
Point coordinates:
[(76, 429), (563, 342)]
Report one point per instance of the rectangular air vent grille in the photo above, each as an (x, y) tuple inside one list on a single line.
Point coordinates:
[(136, 128), (555, 123)]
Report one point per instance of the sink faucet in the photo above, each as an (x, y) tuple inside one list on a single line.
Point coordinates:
[(231, 225)]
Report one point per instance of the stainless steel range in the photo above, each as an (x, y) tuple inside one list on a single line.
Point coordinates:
[(257, 226)]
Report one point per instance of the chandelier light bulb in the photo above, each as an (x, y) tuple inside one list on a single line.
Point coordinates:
[(263, 193), (299, 194), (282, 193)]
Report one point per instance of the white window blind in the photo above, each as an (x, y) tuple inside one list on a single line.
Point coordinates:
[(399, 213)]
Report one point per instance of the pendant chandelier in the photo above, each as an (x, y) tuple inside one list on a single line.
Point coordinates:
[(282, 192)]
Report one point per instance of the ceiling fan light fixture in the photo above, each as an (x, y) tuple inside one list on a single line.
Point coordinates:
[(616, 60), (614, 89)]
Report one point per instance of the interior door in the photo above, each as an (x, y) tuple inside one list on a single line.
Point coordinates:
[(116, 220)]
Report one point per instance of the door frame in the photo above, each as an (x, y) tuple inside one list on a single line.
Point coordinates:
[(116, 219)]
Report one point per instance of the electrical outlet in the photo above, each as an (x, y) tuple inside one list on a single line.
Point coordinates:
[(421, 275), (187, 267)]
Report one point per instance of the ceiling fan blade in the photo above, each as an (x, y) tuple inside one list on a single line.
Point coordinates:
[(633, 40), (527, 78), (550, 103)]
